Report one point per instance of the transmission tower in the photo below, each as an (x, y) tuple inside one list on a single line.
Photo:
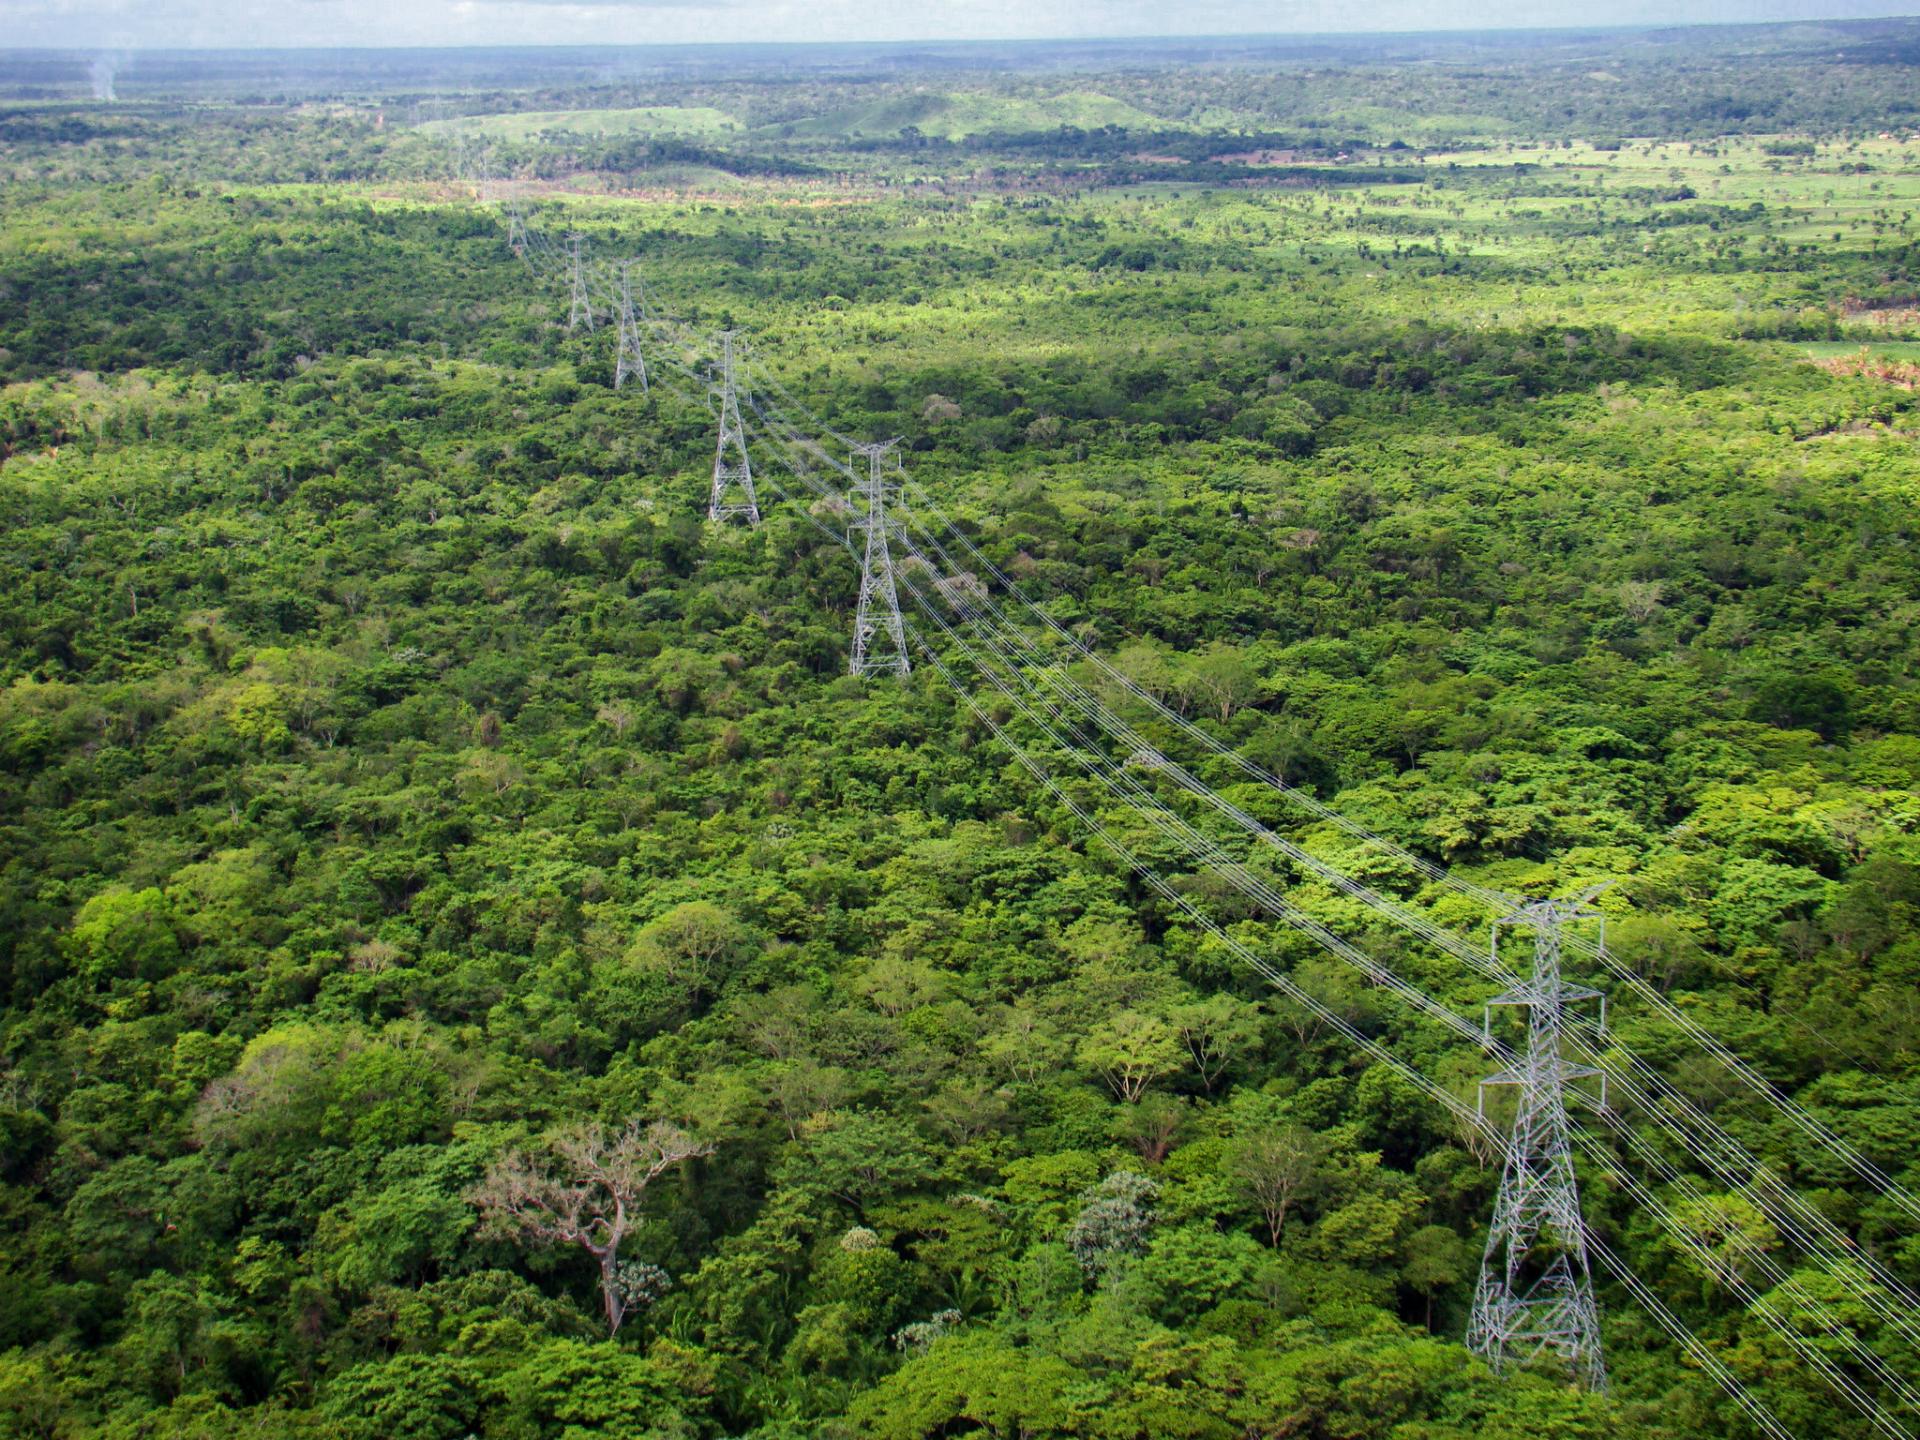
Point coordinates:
[(630, 361), (877, 618), (580, 307), (517, 230), (732, 470), (1535, 1296)]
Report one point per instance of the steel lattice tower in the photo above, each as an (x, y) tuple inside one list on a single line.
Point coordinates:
[(877, 618), (732, 469), (516, 230), (1535, 1296), (630, 360), (580, 307)]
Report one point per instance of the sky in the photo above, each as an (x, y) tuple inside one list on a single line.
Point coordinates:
[(145, 24)]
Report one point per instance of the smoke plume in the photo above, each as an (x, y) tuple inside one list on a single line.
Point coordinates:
[(102, 71)]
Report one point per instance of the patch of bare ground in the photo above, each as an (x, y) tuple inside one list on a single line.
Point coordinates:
[(1903, 373)]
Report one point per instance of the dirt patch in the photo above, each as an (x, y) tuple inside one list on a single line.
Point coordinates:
[(1903, 373)]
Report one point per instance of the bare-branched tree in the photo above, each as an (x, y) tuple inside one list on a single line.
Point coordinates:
[(587, 1192), (1276, 1169)]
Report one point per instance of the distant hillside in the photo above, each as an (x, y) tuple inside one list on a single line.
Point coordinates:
[(670, 120), (954, 117)]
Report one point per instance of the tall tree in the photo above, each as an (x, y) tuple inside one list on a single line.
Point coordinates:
[(586, 1192), (1276, 1169)]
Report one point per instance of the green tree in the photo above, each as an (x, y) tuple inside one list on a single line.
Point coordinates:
[(691, 945), (1437, 1259), (1720, 1238), (1114, 1220), (407, 1397), (860, 1156), (1218, 1033), (973, 1380), (1277, 1171), (124, 935), (1130, 1051)]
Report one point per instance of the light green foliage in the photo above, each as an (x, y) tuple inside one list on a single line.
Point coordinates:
[(976, 1379), (1048, 1187), (120, 935), (1721, 1237), (412, 1219), (868, 1281), (258, 716), (691, 945), (1218, 1033), (1192, 1269), (1130, 1052), (860, 1156), (181, 1337), (571, 1389), (641, 120), (1436, 1260), (955, 117), (1277, 1171)]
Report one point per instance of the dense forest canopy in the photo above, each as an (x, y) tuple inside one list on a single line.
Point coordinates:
[(472, 962)]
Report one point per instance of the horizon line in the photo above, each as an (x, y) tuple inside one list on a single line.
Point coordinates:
[(977, 40)]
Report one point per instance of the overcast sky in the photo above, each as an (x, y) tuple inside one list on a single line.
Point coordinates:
[(134, 24)]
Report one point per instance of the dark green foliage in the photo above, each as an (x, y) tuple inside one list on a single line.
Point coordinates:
[(396, 775)]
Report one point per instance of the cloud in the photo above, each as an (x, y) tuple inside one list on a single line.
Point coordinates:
[(613, 4)]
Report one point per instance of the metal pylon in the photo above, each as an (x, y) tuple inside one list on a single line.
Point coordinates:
[(517, 230), (630, 361), (1535, 1295), (732, 492), (580, 306), (877, 617)]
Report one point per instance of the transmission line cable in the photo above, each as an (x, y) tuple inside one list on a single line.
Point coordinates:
[(1427, 930), (1807, 1123), (1781, 1279), (1401, 914), (1756, 1304), (1835, 1378), (1728, 1382), (1141, 800), (1697, 1351), (1838, 1379)]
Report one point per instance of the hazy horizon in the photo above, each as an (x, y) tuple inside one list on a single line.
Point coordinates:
[(127, 25)]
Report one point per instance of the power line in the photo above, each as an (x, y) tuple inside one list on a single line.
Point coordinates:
[(1496, 900), (966, 598), (1701, 1354), (1566, 1315), (1769, 1424), (1755, 1254)]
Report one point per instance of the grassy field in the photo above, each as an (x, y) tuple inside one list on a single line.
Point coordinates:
[(1907, 350)]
